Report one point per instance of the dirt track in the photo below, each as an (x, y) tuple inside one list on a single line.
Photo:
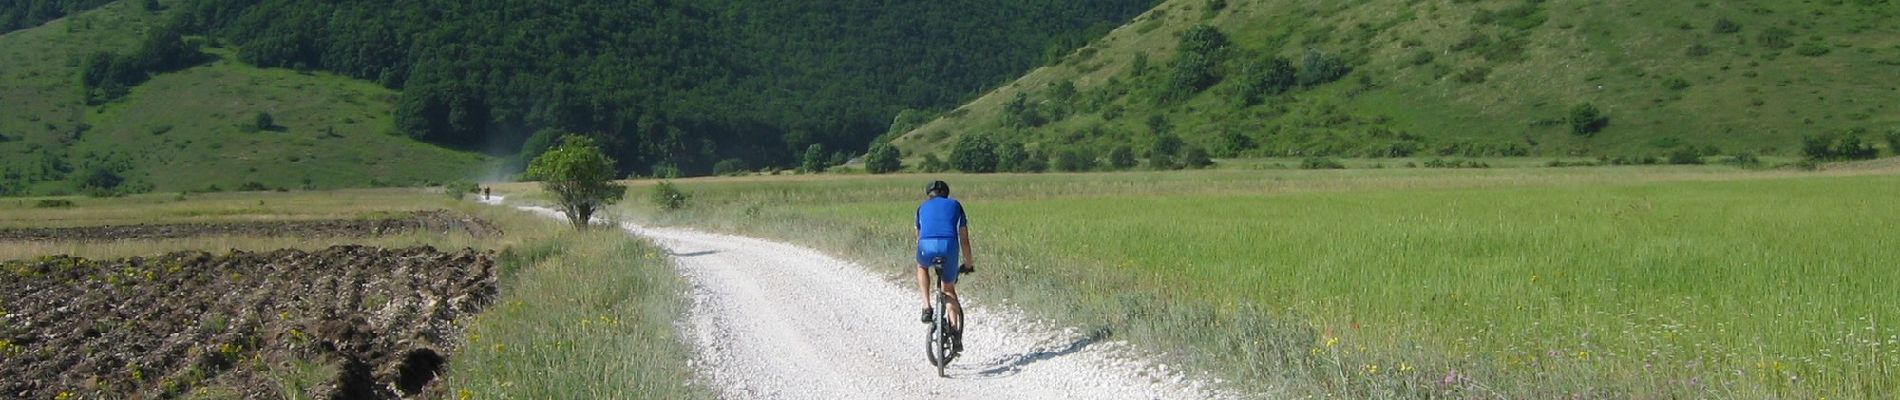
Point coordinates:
[(378, 322), (419, 221), (774, 320)]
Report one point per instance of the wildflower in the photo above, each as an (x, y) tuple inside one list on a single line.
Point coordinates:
[(1331, 342), (1583, 355), (464, 394), (1403, 367), (1372, 368)]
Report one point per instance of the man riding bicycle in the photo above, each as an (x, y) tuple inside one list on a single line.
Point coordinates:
[(940, 226)]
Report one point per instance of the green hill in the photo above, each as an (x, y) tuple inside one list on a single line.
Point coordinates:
[(1457, 78), (187, 130)]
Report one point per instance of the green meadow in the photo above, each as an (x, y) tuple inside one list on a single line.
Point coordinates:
[(1521, 283)]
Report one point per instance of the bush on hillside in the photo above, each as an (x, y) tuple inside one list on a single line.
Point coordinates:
[(1745, 160), (1844, 146), (1893, 142), (1074, 160), (1266, 78), (1725, 25), (974, 154), (933, 164), (883, 159), (1685, 156), (1812, 50), (1319, 68), (263, 122), (1010, 157), (1321, 163), (1776, 38), (1121, 157), (1037, 161), (1195, 157), (1586, 120), (1164, 151)]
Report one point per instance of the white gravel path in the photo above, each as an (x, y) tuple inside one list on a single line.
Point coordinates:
[(779, 321)]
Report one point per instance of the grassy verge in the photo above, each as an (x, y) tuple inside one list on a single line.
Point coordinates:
[(1596, 282), (582, 315)]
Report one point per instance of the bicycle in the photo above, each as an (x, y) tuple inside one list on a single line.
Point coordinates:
[(940, 345)]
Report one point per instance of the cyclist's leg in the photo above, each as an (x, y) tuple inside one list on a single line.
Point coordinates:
[(923, 283), (953, 309)]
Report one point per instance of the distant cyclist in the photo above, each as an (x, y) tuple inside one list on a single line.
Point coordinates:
[(942, 230)]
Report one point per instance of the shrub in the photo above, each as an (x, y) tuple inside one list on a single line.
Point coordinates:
[(1319, 68), (1196, 158), (1321, 163), (457, 189), (1775, 38), (252, 186), (1011, 157), (1697, 50), (814, 159), (1035, 161), (730, 167), (1074, 160), (263, 122), (1473, 75), (1265, 78), (974, 154), (1846, 146), (883, 159), (1586, 120), (668, 196), (1724, 25), (53, 203), (1812, 50), (1162, 153), (579, 175), (933, 164), (1685, 156), (1676, 83), (1745, 160), (1893, 142), (1121, 157)]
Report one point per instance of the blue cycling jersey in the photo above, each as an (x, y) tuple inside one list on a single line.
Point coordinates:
[(939, 218)]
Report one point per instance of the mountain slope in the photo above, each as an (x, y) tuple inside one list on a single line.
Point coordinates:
[(664, 84), (1459, 78), (185, 130)]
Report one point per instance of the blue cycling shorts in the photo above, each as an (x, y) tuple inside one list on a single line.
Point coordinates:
[(933, 248)]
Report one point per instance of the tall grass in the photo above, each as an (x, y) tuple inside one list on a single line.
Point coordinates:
[(1686, 282), (582, 315)]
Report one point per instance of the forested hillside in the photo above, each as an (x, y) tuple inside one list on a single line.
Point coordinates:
[(666, 84), (22, 14), (112, 100), (1625, 80)]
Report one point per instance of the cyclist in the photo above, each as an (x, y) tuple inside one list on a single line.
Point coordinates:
[(940, 226)]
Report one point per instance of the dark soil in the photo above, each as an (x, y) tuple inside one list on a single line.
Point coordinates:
[(420, 221), (373, 323)]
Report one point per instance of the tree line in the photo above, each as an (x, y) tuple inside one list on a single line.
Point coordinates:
[(661, 85)]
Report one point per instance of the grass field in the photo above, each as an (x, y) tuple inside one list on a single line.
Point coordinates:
[(1524, 283), (579, 312)]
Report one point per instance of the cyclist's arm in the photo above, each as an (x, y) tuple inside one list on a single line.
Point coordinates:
[(963, 239)]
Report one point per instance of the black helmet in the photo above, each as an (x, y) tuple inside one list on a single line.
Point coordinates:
[(937, 188)]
